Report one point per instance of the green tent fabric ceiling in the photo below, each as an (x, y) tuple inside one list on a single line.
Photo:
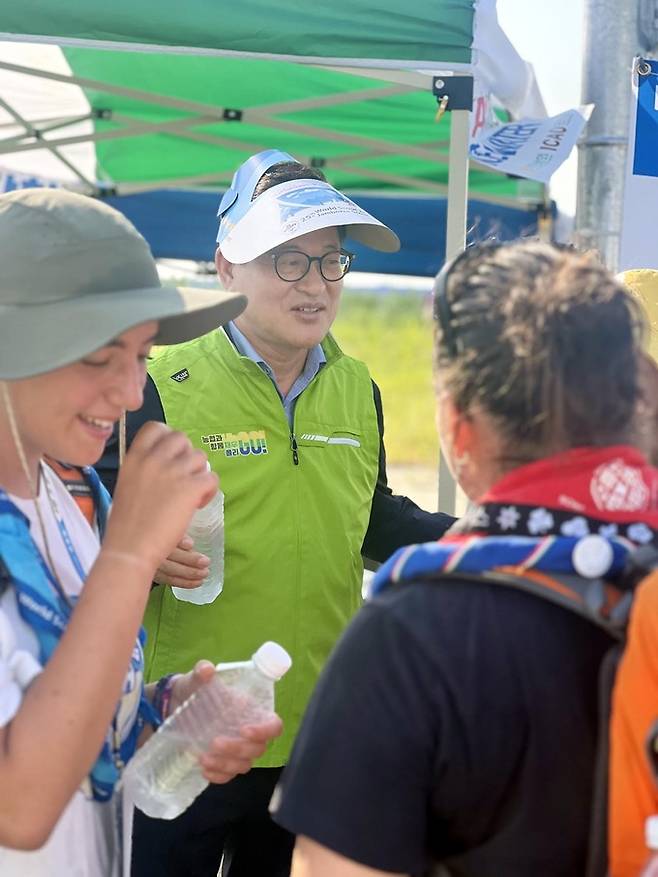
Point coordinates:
[(354, 31), (180, 94)]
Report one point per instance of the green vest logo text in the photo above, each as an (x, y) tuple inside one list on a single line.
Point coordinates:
[(237, 444)]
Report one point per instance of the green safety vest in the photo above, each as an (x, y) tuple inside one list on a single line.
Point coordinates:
[(295, 520)]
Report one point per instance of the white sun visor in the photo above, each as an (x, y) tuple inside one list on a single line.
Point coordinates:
[(295, 208)]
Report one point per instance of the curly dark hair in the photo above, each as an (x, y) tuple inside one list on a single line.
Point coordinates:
[(546, 342)]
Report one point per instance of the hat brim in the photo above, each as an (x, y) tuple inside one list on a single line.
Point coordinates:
[(40, 338), (295, 208)]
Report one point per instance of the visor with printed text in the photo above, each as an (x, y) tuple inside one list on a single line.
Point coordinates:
[(295, 208)]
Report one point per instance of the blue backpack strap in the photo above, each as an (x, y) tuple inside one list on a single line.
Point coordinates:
[(102, 499)]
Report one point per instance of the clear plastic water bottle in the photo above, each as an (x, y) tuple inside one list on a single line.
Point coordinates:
[(164, 777), (206, 530)]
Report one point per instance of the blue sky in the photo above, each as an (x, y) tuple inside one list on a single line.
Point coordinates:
[(550, 36)]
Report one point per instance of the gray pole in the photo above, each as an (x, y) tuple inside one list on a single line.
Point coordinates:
[(615, 31)]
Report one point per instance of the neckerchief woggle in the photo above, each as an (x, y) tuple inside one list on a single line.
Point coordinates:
[(47, 612)]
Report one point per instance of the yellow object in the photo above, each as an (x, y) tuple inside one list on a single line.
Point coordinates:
[(643, 283), (443, 106)]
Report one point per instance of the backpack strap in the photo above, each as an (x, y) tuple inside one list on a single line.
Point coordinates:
[(597, 847), (87, 490), (600, 602), (101, 497), (608, 606), (74, 481)]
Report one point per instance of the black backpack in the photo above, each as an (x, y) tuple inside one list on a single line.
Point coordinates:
[(603, 603)]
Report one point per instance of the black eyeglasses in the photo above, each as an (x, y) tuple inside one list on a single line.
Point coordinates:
[(293, 265)]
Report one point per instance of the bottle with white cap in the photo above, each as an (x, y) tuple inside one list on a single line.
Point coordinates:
[(206, 529), (651, 839), (165, 777)]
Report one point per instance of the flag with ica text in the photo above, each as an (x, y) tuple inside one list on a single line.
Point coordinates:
[(530, 148)]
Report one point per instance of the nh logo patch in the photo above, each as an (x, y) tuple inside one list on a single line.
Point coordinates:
[(182, 375), (237, 444)]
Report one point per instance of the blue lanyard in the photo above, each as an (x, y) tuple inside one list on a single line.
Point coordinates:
[(63, 530), (116, 754)]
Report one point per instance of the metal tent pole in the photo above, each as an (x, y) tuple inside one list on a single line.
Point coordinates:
[(459, 93), (614, 33)]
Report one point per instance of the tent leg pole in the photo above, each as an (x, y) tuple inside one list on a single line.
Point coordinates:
[(451, 499), (457, 183)]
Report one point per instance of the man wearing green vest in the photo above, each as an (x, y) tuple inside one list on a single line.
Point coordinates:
[(293, 427)]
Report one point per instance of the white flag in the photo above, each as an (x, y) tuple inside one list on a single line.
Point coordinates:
[(531, 148)]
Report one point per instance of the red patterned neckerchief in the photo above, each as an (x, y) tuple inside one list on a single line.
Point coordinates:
[(611, 491), (579, 513)]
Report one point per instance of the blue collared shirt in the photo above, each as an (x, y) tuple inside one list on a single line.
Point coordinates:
[(315, 359)]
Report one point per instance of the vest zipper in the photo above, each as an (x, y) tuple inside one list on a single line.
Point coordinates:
[(293, 448)]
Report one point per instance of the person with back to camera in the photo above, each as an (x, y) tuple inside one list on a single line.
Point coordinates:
[(80, 306), (454, 728), (298, 446)]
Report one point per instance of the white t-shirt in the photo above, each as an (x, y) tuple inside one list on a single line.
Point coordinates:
[(83, 843)]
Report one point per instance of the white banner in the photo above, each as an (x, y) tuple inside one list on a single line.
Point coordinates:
[(11, 179), (531, 148), (638, 247)]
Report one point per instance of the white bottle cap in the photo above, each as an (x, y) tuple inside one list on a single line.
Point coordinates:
[(592, 556), (272, 660), (651, 832)]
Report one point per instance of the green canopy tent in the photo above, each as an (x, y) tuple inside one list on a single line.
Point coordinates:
[(128, 96), (178, 95)]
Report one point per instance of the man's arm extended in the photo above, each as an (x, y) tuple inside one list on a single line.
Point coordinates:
[(396, 520)]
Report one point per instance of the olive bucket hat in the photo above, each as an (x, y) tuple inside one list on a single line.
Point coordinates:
[(74, 274)]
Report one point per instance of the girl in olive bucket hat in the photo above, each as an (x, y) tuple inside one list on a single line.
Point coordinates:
[(80, 306)]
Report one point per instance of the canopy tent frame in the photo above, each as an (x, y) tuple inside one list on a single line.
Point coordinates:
[(31, 131), (442, 35), (449, 495), (458, 161), (209, 113), (405, 49)]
